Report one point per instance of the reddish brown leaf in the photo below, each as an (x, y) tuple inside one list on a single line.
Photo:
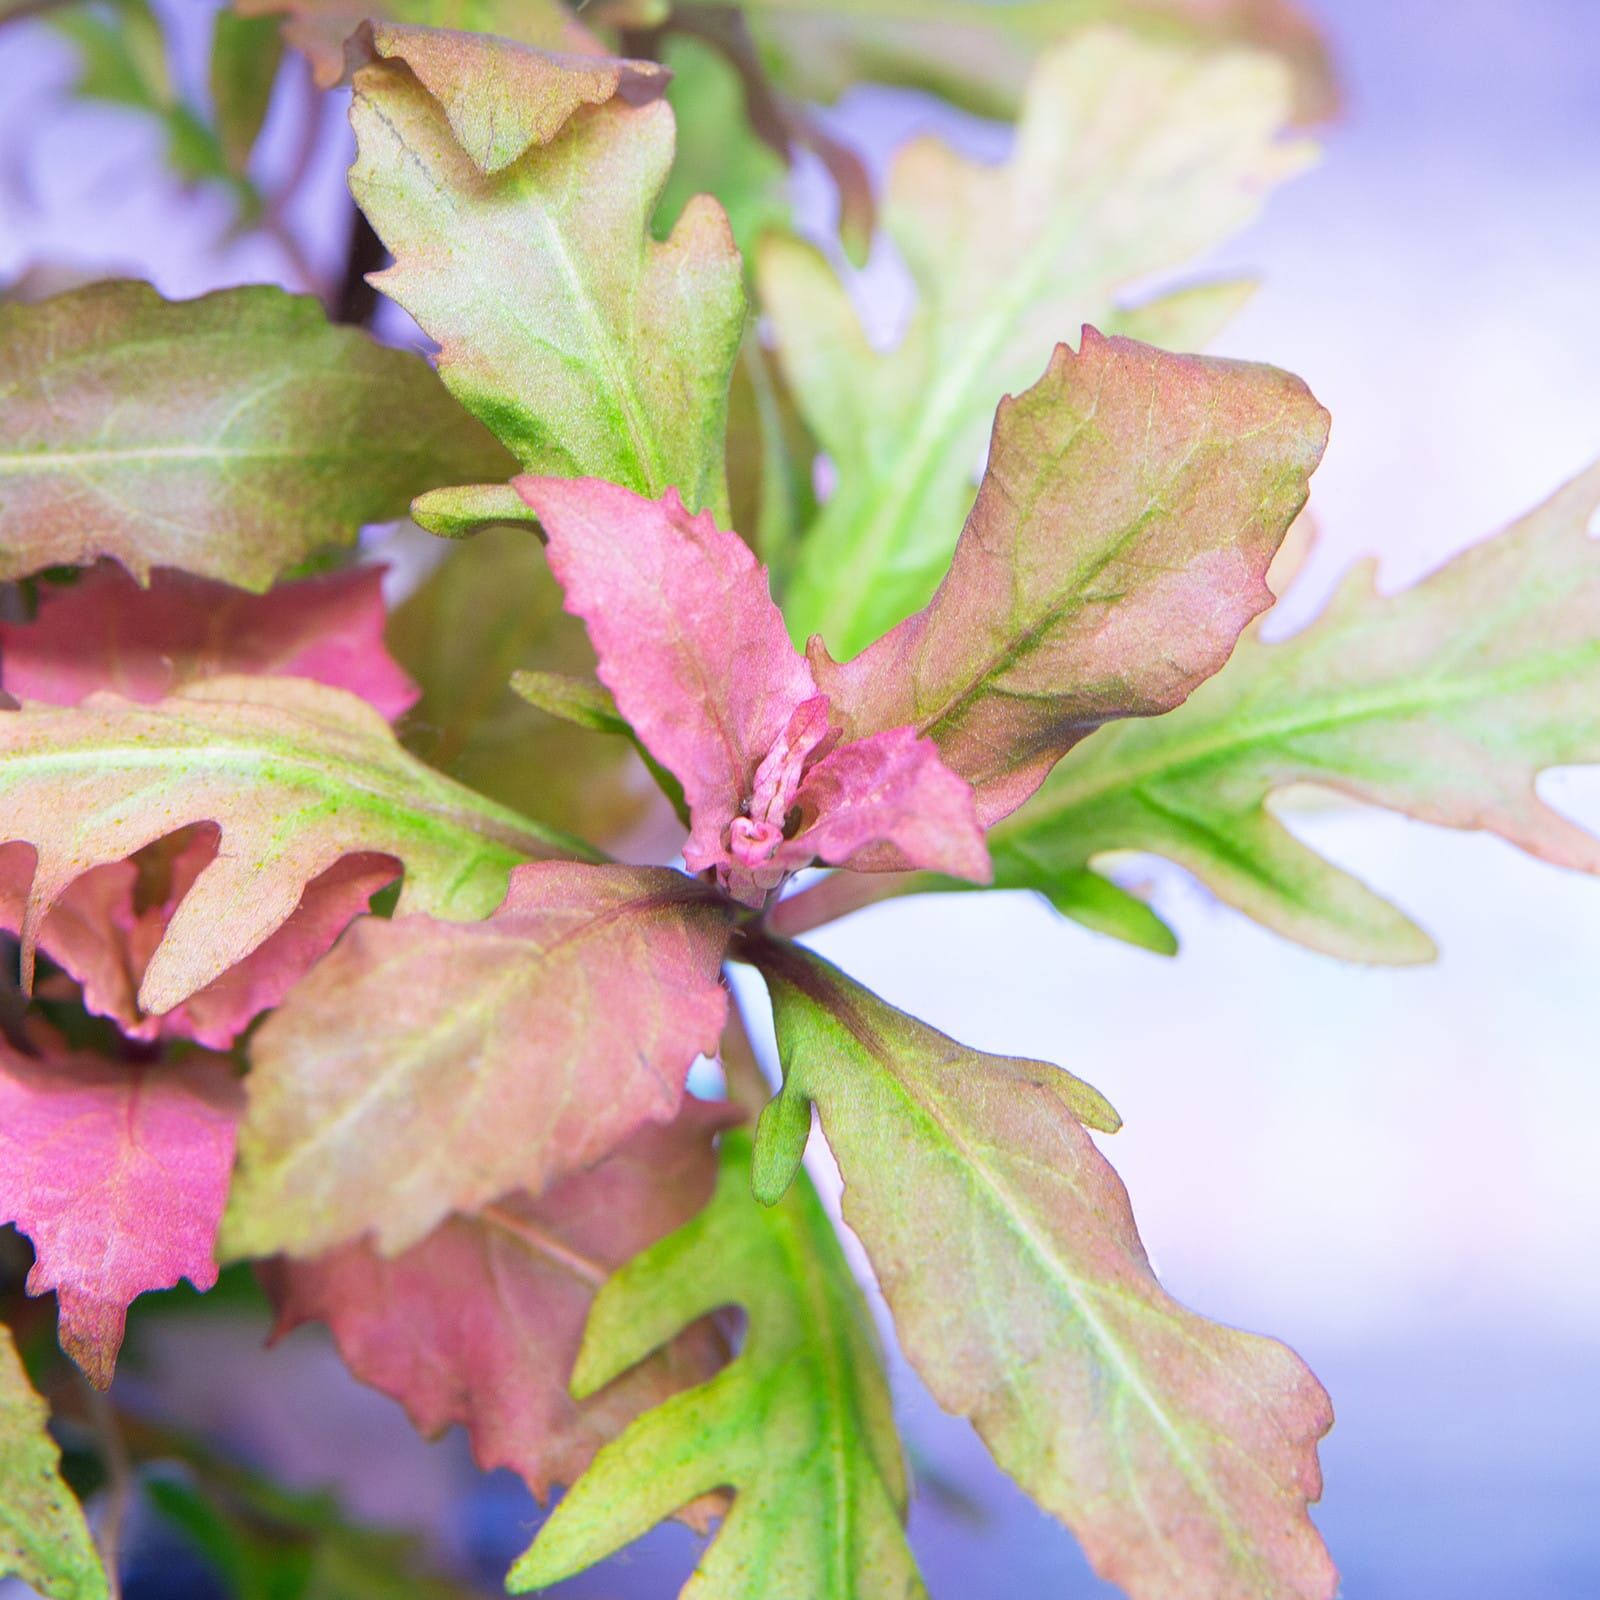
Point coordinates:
[(480, 1323), (490, 1056), (1120, 542)]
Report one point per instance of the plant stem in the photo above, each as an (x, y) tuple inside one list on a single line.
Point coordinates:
[(356, 299), (119, 1484), (837, 896)]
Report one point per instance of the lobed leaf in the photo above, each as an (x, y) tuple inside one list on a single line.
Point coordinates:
[(480, 1323), (588, 347), (799, 1425), (106, 632), (1443, 701), (296, 776), (1182, 1453), (230, 436), (117, 1173), (490, 1056), (1132, 505), (1130, 158), (977, 53), (44, 1540)]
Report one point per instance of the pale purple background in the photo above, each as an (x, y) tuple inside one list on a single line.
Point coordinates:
[(1396, 1172)]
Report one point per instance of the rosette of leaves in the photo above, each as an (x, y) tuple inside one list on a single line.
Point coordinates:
[(453, 1124)]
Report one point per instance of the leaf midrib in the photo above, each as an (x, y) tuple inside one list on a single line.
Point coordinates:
[(1236, 739), (1077, 1292)]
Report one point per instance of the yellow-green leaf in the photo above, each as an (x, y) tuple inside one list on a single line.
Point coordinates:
[(296, 776), (1181, 1452), (799, 1425), (1444, 701), (586, 345), (43, 1537)]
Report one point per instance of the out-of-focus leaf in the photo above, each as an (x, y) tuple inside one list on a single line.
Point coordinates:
[(491, 608), (771, 460), (480, 1323), (690, 643), (297, 776), (230, 436), (799, 1425), (718, 154), (1130, 158), (117, 1173), (245, 53), (489, 1056), (588, 347), (267, 1543), (1181, 1452), (1132, 505), (319, 28), (44, 1540), (106, 632), (978, 52), (1444, 701)]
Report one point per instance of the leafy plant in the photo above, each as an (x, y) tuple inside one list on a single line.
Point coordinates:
[(452, 1123)]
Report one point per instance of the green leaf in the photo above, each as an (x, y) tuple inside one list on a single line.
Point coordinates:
[(588, 347), (245, 53), (799, 1425), (978, 52), (771, 460), (43, 1537), (718, 152), (1130, 159), (1443, 701), (489, 610), (268, 1543), (296, 775), (231, 436), (1182, 1453)]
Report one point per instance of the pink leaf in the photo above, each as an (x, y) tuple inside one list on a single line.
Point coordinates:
[(118, 1174), (480, 1323), (689, 641), (697, 656), (887, 802), (104, 928), (106, 632)]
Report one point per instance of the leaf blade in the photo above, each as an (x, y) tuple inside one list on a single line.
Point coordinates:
[(44, 1539), (230, 436), (1181, 1453), (539, 1039), (1444, 701)]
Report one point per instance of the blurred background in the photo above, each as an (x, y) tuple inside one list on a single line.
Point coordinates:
[(1396, 1172)]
